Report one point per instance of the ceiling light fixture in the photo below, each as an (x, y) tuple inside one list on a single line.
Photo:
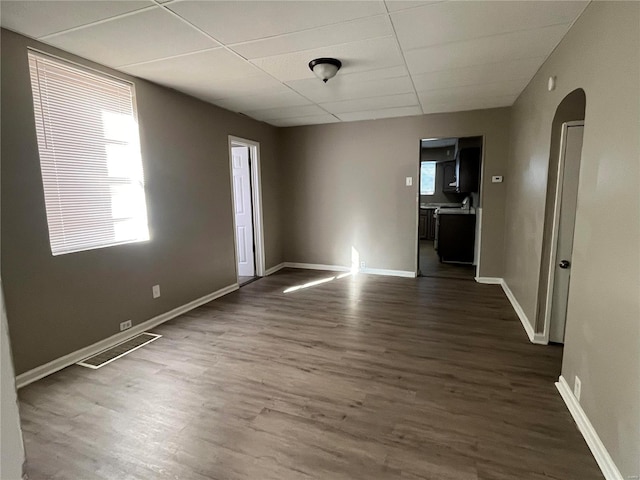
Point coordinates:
[(325, 68)]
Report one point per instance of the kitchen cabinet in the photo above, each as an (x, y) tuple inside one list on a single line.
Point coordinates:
[(450, 184), (463, 174), (422, 226), (427, 224), (468, 170), (431, 225), (456, 237)]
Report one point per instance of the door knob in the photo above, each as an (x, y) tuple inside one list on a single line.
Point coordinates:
[(564, 264)]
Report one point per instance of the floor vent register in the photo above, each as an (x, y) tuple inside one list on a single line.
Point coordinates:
[(113, 353)]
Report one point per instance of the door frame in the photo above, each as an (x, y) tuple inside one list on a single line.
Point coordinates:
[(256, 202), (478, 241), (553, 251)]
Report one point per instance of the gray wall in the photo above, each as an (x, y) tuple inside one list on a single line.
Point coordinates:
[(11, 445), (57, 305), (600, 54), (345, 186)]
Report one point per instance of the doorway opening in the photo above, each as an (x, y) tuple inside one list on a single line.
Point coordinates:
[(449, 212), (560, 214), (244, 158)]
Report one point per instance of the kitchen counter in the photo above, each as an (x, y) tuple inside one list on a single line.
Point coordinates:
[(456, 211), (438, 205)]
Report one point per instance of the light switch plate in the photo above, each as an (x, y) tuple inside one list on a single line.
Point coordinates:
[(409, 181), (496, 179), (155, 290)]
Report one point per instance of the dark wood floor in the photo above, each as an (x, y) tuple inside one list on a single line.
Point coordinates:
[(363, 377), (431, 266), (244, 280)]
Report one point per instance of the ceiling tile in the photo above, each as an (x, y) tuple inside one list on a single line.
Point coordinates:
[(140, 37), (366, 75), (478, 74), (311, 120), (360, 29), (454, 21), (247, 103), (384, 113), (462, 105), (375, 103), (497, 48), (286, 112), (247, 86), (343, 87), (232, 22), (355, 56), (471, 92), (217, 72), (395, 5), (40, 18)]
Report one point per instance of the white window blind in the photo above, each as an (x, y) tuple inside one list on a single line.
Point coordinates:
[(89, 156), (427, 178)]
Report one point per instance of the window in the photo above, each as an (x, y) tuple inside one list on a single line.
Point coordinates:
[(427, 178), (89, 156)]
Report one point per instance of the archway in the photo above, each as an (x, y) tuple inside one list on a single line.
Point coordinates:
[(571, 109)]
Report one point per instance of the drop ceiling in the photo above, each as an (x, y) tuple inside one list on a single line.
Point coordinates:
[(399, 58)]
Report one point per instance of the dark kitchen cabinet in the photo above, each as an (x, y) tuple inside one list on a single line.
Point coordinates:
[(456, 238), (431, 224), (468, 170), (427, 224), (463, 174), (422, 226), (450, 184)]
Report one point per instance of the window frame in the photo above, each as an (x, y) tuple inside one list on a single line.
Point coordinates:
[(134, 115), (435, 173)]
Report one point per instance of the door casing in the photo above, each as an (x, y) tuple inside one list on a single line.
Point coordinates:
[(256, 199), (478, 240), (553, 256)]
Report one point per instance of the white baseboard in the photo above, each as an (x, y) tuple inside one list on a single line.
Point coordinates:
[(599, 451), (317, 266), (388, 273), (340, 268), (37, 373), (272, 270), (489, 280), (528, 327)]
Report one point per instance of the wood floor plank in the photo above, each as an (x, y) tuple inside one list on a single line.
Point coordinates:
[(363, 377), (431, 266)]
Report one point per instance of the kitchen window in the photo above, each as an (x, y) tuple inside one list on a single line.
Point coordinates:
[(427, 178), (90, 159)]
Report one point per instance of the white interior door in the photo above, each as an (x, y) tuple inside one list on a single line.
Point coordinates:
[(243, 213), (571, 151)]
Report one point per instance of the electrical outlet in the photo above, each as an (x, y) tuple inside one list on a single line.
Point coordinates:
[(125, 325), (363, 265), (156, 291), (577, 388), (496, 179)]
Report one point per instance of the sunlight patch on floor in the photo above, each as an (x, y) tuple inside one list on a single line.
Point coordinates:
[(355, 267)]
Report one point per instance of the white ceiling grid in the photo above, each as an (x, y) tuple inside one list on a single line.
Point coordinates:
[(399, 57)]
